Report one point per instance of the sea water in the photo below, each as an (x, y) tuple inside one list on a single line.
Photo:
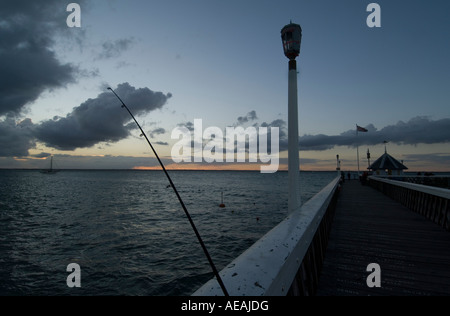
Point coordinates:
[(127, 231)]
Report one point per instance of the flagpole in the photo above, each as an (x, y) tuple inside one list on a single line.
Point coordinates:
[(357, 150), (359, 129)]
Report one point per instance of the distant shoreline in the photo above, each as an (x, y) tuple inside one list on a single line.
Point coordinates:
[(209, 170)]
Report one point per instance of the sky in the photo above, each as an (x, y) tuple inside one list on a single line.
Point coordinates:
[(174, 62)]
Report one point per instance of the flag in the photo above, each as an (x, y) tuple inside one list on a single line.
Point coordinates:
[(361, 129)]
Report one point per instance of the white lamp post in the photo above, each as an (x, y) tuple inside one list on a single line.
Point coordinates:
[(291, 36)]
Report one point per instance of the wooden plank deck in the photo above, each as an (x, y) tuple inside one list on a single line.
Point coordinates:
[(413, 252)]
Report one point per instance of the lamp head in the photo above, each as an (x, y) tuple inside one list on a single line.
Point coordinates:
[(291, 36)]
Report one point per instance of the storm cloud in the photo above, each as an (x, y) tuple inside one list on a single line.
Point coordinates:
[(28, 64), (16, 138), (418, 130), (99, 120)]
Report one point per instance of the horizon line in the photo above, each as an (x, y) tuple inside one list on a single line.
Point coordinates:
[(187, 169)]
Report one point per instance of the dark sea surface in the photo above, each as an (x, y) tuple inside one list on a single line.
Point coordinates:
[(127, 230)]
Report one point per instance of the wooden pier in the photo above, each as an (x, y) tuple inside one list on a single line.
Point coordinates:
[(327, 246), (413, 252)]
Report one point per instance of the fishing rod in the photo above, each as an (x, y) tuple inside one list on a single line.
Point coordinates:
[(216, 273)]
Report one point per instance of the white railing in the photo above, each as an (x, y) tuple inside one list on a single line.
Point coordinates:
[(287, 259), (440, 181), (428, 201)]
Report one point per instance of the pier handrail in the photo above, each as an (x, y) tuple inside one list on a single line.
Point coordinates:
[(440, 181), (444, 193), (431, 202), (270, 266)]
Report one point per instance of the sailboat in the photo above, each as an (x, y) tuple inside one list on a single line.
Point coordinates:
[(51, 170)]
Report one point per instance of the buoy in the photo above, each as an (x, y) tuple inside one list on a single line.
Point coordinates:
[(222, 205)]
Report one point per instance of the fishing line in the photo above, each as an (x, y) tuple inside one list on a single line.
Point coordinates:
[(216, 273)]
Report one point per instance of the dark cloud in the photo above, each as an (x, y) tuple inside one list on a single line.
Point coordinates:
[(41, 155), (324, 142), (28, 64), (251, 116), (157, 131), (100, 119), (112, 49), (16, 138), (188, 125), (418, 130)]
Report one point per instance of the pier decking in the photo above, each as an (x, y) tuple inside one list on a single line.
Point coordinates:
[(413, 252)]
